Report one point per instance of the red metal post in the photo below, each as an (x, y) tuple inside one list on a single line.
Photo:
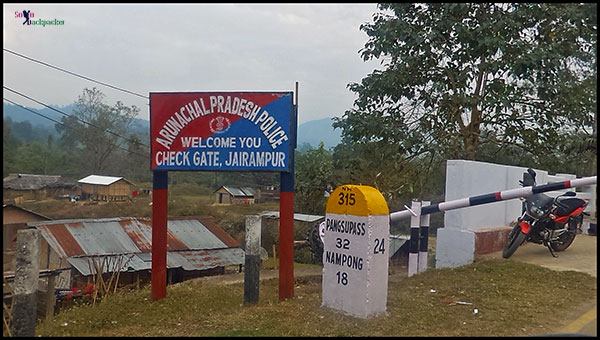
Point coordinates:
[(286, 218), (159, 234), (286, 245)]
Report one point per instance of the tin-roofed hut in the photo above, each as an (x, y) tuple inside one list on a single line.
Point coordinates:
[(196, 246), (106, 188), (236, 195)]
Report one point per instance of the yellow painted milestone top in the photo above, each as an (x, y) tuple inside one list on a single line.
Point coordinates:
[(361, 200)]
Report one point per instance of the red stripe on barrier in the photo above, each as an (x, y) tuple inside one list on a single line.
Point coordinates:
[(567, 184), (498, 196)]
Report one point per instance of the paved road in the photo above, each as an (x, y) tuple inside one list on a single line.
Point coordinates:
[(580, 256)]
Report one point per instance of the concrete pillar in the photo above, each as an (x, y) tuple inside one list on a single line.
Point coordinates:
[(454, 247), (591, 191), (355, 251), (27, 271), (252, 260), (50, 298)]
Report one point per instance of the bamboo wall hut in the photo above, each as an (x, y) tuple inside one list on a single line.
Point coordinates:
[(105, 188), (13, 219), (24, 187), (236, 195)]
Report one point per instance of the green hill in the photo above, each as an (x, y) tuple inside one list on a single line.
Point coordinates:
[(315, 131)]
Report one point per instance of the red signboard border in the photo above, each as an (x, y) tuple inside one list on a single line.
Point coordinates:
[(286, 224)]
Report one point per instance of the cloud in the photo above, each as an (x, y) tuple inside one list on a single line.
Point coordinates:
[(191, 47)]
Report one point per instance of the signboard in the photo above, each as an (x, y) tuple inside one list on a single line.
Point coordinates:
[(355, 255), (222, 131)]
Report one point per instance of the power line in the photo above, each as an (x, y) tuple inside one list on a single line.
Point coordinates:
[(75, 74), (41, 115), (37, 113), (68, 115)]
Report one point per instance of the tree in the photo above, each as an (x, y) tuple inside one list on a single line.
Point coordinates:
[(96, 130), (32, 158), (458, 76), (313, 172), (9, 146), (133, 160), (398, 178)]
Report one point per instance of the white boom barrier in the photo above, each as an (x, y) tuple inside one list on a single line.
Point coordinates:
[(419, 211)]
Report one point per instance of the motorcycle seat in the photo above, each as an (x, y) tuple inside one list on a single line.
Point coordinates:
[(566, 205)]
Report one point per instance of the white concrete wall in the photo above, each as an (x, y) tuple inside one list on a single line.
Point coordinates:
[(454, 247), (470, 178)]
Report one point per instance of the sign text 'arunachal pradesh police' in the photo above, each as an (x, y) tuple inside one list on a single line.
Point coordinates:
[(221, 131)]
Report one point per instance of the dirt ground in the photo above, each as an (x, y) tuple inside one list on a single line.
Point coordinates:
[(265, 274), (580, 256)]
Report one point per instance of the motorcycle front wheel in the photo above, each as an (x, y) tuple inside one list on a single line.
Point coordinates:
[(515, 239)]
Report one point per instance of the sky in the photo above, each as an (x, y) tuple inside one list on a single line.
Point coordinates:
[(146, 48)]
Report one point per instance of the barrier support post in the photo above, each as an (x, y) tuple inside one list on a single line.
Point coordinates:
[(27, 272), (413, 255), (423, 239)]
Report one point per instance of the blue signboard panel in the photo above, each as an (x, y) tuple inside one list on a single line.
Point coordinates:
[(222, 131)]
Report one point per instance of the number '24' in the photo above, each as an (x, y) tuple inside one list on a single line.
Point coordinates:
[(379, 246)]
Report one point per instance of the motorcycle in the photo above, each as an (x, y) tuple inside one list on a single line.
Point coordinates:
[(315, 241), (552, 222)]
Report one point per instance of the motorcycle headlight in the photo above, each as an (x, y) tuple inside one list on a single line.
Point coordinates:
[(536, 212)]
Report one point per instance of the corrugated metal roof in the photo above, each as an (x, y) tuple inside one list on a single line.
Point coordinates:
[(205, 259), (297, 217), (186, 259), (248, 191), (101, 180), (191, 244), (240, 192), (194, 235), (86, 264)]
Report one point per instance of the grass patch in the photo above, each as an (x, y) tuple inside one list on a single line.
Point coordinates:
[(512, 298)]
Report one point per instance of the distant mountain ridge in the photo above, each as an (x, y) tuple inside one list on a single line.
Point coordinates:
[(312, 132), (321, 130), (18, 114)]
